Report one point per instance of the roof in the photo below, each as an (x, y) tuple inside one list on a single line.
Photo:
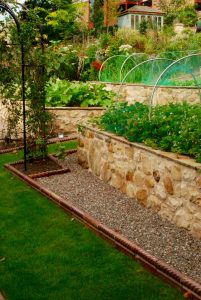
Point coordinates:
[(144, 10)]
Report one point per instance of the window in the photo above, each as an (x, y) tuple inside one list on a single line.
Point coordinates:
[(159, 22), (136, 22), (132, 22)]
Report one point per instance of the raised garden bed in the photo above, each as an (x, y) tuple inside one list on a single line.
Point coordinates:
[(165, 182), (10, 147), (40, 167)]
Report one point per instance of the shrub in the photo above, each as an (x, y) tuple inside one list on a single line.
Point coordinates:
[(188, 16), (65, 93), (173, 127)]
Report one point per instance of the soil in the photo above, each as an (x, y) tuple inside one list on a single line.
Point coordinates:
[(38, 166)]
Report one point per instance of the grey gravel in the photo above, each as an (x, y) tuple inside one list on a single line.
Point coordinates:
[(159, 237)]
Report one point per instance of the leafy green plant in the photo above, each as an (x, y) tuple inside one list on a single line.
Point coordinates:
[(61, 151), (65, 93), (188, 16), (173, 127)]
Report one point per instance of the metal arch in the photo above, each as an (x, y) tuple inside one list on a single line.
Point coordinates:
[(99, 73), (161, 75), (5, 7), (130, 56), (148, 60)]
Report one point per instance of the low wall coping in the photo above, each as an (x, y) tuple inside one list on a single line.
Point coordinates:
[(180, 159), (146, 85), (75, 108)]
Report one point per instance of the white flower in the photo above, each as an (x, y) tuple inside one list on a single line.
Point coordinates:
[(125, 48)]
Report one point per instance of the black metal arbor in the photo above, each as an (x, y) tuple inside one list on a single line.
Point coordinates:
[(5, 7)]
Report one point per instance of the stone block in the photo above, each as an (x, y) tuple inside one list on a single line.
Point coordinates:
[(156, 175), (154, 203), (82, 158), (198, 181), (138, 178), (142, 196), (183, 217), (174, 202), (176, 173), (149, 182), (105, 172), (159, 192), (195, 228), (116, 181), (130, 190), (168, 185)]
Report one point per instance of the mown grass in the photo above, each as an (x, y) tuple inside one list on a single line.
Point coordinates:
[(45, 254)]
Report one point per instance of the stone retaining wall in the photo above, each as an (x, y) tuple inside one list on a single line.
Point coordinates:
[(165, 182), (163, 95), (67, 118)]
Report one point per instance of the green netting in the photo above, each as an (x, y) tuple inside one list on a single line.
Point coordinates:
[(186, 71), (147, 72), (110, 69), (130, 62), (116, 67)]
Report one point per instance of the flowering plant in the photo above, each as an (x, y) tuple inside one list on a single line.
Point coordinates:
[(125, 48)]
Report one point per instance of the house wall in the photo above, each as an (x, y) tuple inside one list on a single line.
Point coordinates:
[(124, 21), (165, 182), (129, 20)]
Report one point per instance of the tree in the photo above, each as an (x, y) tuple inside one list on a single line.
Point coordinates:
[(98, 14), (171, 8), (58, 17)]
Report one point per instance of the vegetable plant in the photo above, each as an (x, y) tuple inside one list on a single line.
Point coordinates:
[(65, 93), (173, 127)]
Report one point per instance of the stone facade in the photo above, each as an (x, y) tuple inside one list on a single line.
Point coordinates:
[(165, 182), (163, 95), (66, 119)]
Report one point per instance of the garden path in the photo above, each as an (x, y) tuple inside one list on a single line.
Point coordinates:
[(166, 241)]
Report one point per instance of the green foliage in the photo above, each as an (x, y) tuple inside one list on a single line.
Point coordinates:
[(62, 61), (143, 27), (58, 17), (34, 42), (65, 93), (61, 151), (98, 14), (188, 16), (173, 127)]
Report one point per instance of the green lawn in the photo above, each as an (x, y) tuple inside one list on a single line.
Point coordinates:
[(45, 254)]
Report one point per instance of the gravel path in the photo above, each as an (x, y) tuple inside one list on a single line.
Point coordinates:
[(157, 236)]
